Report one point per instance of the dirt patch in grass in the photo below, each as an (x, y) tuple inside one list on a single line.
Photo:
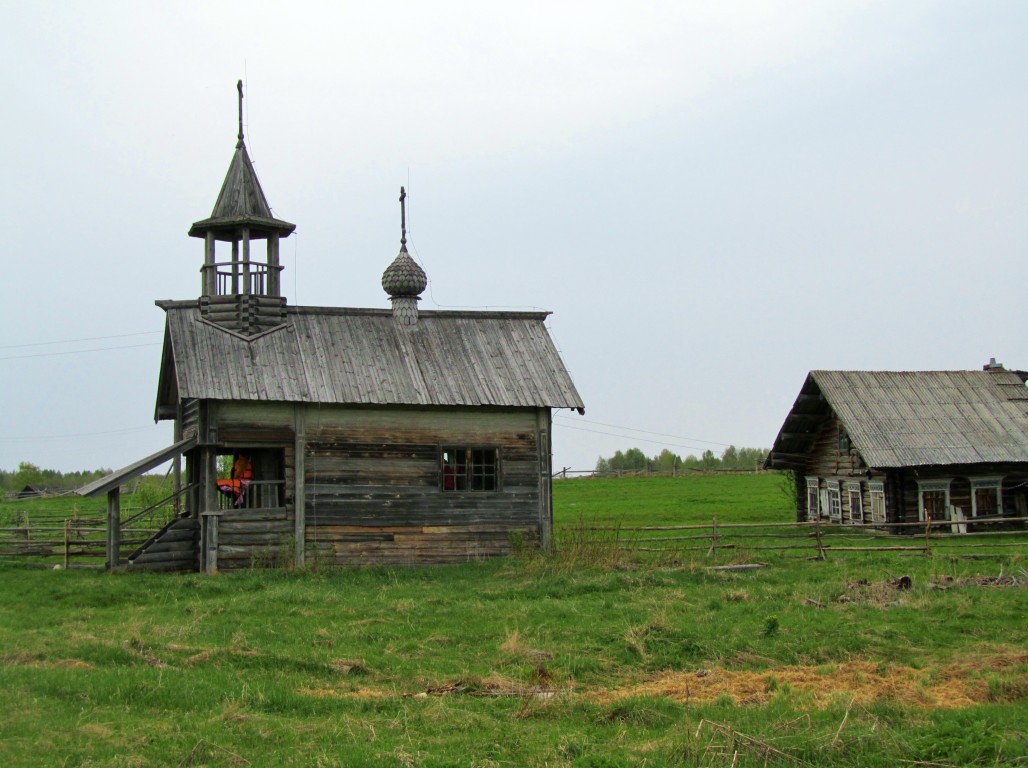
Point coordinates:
[(952, 686)]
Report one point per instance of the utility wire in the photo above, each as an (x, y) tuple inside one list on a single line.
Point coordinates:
[(640, 439), (79, 351), (80, 434), (643, 431), (76, 341)]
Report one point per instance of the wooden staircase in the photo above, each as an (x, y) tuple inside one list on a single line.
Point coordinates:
[(176, 547)]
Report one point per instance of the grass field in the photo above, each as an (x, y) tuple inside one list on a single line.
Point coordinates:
[(542, 661)]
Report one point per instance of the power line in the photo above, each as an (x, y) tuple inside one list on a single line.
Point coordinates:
[(80, 434), (78, 352), (76, 341), (643, 431), (640, 439)]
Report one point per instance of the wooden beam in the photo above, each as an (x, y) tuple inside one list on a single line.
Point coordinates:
[(545, 469), (300, 486), (114, 527), (209, 510)]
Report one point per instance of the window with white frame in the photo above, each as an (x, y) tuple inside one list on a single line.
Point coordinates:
[(856, 502), (876, 492), (812, 498), (986, 496), (933, 499), (834, 501)]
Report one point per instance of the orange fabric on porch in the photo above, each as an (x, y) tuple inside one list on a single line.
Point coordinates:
[(242, 474)]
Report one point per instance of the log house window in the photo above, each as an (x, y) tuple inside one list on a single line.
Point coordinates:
[(933, 499), (812, 498), (834, 501), (856, 503), (877, 493), (470, 469), (986, 496), (844, 441)]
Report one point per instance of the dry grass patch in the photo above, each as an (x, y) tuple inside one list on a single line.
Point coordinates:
[(363, 692), (514, 645), (953, 686), (38, 661)]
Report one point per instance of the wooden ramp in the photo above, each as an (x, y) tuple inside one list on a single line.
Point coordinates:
[(175, 547)]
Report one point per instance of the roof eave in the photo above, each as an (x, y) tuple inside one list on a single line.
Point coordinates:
[(227, 227)]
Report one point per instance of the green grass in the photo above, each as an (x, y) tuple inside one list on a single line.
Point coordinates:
[(455, 665), (737, 498)]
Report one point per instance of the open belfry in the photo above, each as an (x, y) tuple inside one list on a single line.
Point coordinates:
[(243, 294), (318, 436)]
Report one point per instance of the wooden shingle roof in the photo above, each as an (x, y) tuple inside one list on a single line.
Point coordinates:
[(918, 418), (241, 203), (363, 357)]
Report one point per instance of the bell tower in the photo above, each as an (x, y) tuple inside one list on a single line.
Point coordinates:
[(242, 294)]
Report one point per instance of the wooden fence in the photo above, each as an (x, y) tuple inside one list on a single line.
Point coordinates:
[(810, 540), (49, 539), (81, 542)]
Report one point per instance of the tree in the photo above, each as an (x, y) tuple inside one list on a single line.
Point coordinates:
[(730, 458), (27, 474), (635, 460), (667, 461), (709, 460)]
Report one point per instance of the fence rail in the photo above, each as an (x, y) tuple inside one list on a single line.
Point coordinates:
[(815, 539), (47, 540)]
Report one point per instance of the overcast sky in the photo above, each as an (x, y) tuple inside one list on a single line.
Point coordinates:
[(712, 198)]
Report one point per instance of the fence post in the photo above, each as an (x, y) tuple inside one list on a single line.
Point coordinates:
[(927, 531), (817, 538), (713, 539), (67, 543)]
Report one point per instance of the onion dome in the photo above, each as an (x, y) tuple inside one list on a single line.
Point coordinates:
[(404, 277), (404, 280)]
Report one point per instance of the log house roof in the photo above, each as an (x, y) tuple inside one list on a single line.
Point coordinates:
[(363, 357), (911, 418)]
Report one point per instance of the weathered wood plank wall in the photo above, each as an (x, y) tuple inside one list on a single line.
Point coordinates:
[(374, 494), (370, 486), (829, 461)]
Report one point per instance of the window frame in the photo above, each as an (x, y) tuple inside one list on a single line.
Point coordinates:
[(834, 501), (992, 482), (467, 480), (929, 486), (876, 492), (853, 487), (844, 441), (813, 485)]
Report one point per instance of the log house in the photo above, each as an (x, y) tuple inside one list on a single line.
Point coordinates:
[(873, 447)]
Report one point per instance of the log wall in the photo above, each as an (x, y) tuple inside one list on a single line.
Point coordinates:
[(374, 493), (829, 461), (370, 491), (1014, 487)]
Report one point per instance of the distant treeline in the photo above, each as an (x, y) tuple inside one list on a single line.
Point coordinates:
[(634, 460), (46, 479)]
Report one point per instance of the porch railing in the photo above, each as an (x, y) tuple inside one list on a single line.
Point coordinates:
[(250, 277), (259, 494)]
